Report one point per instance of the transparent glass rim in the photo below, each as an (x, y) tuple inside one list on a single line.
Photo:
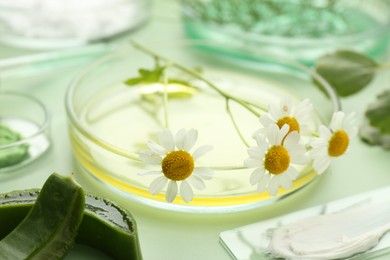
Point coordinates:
[(43, 127)]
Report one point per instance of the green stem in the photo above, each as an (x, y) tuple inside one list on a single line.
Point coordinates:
[(235, 123), (165, 100), (247, 105)]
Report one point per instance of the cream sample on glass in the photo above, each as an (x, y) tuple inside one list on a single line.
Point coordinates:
[(332, 236)]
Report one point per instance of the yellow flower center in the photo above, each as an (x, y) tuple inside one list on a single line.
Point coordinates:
[(177, 165), (277, 159), (291, 121), (338, 143)]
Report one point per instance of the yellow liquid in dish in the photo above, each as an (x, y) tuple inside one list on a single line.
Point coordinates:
[(121, 122)]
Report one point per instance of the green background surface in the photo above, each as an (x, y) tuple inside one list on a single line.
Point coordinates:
[(172, 235)]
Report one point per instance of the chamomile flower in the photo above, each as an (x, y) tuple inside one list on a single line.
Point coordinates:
[(178, 169), (273, 158), (333, 141), (285, 113)]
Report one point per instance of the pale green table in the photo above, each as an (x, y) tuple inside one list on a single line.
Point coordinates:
[(171, 235)]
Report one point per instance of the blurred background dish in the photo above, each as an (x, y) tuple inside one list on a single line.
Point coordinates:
[(24, 130), (46, 24), (299, 29)]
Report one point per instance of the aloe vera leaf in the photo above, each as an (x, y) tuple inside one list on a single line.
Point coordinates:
[(102, 219), (49, 229)]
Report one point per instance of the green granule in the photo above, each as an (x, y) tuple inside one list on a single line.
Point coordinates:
[(11, 155)]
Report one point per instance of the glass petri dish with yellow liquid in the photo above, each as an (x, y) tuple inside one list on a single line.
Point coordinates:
[(110, 122)]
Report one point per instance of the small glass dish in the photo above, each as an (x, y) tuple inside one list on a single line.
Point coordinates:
[(24, 130), (111, 122), (300, 29), (48, 24)]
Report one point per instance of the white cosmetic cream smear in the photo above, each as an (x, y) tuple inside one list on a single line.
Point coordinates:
[(332, 236)]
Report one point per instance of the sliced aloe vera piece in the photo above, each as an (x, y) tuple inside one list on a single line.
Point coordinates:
[(105, 226), (50, 227)]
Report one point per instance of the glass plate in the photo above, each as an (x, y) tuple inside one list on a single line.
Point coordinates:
[(110, 122), (251, 241)]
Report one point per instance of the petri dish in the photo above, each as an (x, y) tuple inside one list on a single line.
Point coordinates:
[(299, 29), (37, 24), (24, 130), (110, 122)]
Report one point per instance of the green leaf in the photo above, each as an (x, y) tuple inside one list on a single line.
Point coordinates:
[(346, 71), (147, 76), (133, 81), (378, 113), (377, 128)]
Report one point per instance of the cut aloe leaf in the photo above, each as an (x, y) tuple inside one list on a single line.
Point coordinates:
[(105, 226), (50, 227)]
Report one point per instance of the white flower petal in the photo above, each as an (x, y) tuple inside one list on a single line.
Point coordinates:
[(291, 173), (285, 106), (285, 181), (299, 159), (167, 140), (291, 140), (150, 173), (190, 139), (253, 163), (319, 143), (273, 185), (272, 134), (318, 152), (266, 120), (263, 183), (337, 121), (298, 150), (324, 132), (180, 138), (150, 157), (260, 139), (204, 172), (256, 152), (274, 111), (202, 150), (321, 164), (157, 185), (186, 191), (351, 131), (156, 148), (256, 175), (282, 133), (349, 120), (197, 182), (171, 191), (303, 110)]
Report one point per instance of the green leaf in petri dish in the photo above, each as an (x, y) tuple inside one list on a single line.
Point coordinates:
[(11, 155), (346, 71)]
